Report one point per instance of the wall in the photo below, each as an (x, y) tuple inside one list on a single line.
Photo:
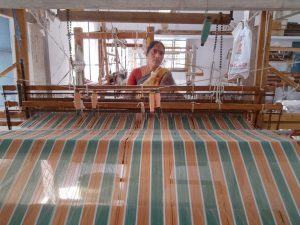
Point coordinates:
[(38, 56), (58, 52)]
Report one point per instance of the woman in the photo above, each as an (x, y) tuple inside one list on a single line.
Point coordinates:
[(152, 73)]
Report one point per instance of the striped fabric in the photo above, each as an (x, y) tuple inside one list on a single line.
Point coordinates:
[(148, 176), (130, 121)]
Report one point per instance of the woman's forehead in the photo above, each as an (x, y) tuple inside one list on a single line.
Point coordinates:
[(158, 46)]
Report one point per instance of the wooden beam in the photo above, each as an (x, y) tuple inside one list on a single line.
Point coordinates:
[(188, 32), (8, 13), (284, 78), (289, 49), (108, 35), (143, 17), (8, 69)]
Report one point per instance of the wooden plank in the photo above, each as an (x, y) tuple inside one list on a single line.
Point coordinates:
[(137, 88), (9, 87), (164, 105), (104, 35), (290, 49), (188, 32), (8, 69), (144, 17)]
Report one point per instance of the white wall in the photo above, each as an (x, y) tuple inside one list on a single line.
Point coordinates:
[(205, 57), (58, 52)]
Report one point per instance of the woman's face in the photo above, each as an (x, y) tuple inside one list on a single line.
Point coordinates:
[(155, 56)]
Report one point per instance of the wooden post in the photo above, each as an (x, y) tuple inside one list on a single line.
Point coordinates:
[(150, 35), (263, 47), (79, 57), (21, 17), (100, 61)]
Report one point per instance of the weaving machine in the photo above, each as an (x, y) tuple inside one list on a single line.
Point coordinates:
[(109, 162)]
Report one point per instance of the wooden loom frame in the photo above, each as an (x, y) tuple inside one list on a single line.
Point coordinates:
[(236, 99)]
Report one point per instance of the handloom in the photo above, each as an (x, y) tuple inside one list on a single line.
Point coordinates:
[(160, 168)]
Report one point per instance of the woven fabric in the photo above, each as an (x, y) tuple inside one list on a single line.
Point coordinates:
[(147, 176), (131, 121)]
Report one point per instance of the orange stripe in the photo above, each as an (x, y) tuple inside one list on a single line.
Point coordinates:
[(170, 198), (62, 206), (107, 122), (206, 121), (16, 189), (8, 157), (41, 189), (97, 172), (65, 121), (144, 187), (219, 182), (194, 180), (242, 179), (277, 206), (120, 193), (285, 167)]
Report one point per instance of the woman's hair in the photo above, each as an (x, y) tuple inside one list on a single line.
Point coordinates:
[(152, 44)]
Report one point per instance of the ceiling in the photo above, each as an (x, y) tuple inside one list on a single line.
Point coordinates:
[(155, 4)]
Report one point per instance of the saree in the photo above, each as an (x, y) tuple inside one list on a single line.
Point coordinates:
[(153, 78)]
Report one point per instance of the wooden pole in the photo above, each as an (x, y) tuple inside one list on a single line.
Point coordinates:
[(150, 35), (23, 48)]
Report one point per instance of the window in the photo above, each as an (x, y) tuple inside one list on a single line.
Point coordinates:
[(175, 55)]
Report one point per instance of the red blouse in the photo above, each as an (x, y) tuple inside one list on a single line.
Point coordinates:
[(134, 76)]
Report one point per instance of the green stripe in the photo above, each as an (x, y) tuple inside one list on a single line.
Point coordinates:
[(114, 122), (183, 199), (30, 121), (13, 170), (58, 121), (157, 205), (289, 151), (44, 121), (27, 194), (279, 178), (4, 146), (228, 122), (199, 122), (231, 181), (255, 180), (134, 179), (100, 121), (213, 121), (107, 186), (72, 121), (243, 122), (85, 172), (185, 122), (211, 209), (48, 210), (171, 122), (129, 122), (87, 121)]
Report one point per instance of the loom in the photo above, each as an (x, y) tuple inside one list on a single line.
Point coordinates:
[(101, 155)]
